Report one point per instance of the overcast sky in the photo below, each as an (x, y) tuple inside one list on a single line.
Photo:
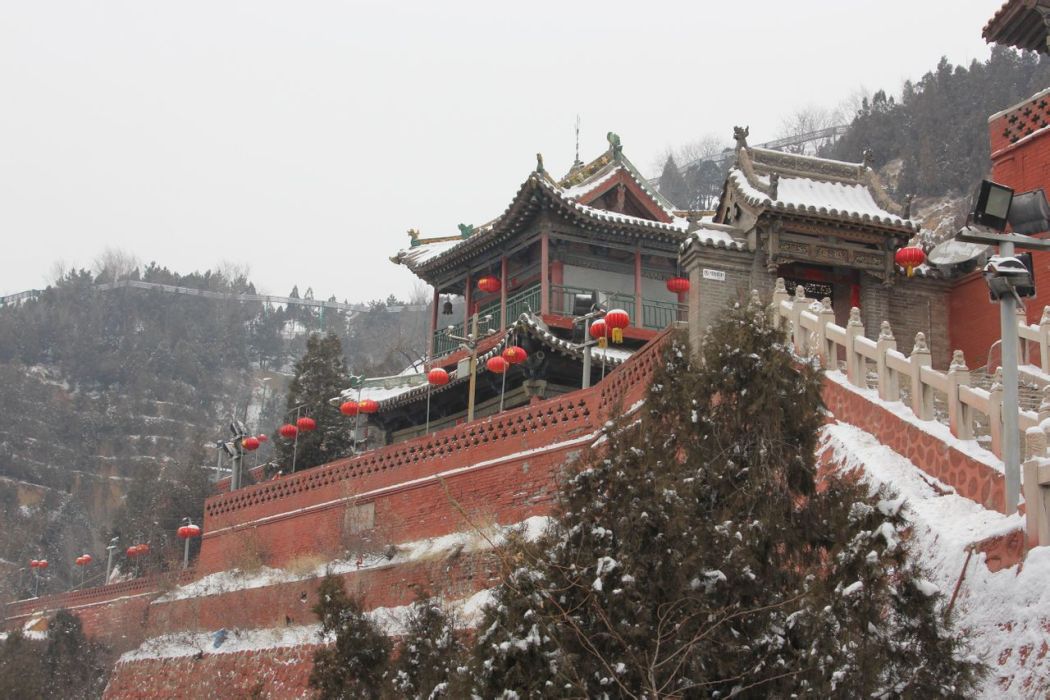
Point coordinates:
[(302, 139)]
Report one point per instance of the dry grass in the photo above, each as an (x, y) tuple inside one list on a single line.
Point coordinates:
[(305, 564)]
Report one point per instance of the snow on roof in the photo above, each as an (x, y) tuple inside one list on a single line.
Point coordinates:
[(812, 196), (424, 252), (716, 236)]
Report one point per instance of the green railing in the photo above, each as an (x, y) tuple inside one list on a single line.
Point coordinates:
[(443, 345), (661, 314), (563, 298), (526, 300), (493, 311)]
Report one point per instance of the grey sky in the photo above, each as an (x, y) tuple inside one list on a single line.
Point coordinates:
[(302, 139)]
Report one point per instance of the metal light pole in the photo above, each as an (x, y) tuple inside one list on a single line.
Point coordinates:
[(470, 343), (110, 548), (295, 442)]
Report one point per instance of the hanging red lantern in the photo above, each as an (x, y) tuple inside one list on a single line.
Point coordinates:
[(437, 377), (515, 355), (678, 285), (250, 443), (34, 564), (910, 258), (368, 406), (489, 284), (83, 560), (599, 329), (497, 364), (42, 564), (288, 431), (348, 408), (306, 424), (262, 437), (617, 320)]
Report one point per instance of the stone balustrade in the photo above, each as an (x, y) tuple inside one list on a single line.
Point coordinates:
[(814, 333)]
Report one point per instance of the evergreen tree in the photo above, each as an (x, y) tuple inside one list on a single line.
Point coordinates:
[(673, 185), (695, 557), (430, 653), (319, 376), (22, 672), (356, 664)]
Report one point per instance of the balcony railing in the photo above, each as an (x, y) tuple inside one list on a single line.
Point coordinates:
[(656, 315)]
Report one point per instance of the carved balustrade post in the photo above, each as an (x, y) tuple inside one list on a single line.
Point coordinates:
[(960, 417), (1022, 342), (995, 412), (856, 367), (798, 334), (1044, 340), (921, 395), (889, 385), (779, 294), (1036, 472)]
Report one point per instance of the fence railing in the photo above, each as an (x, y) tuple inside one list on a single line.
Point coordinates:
[(814, 333)]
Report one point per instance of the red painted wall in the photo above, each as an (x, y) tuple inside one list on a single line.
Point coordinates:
[(1020, 150)]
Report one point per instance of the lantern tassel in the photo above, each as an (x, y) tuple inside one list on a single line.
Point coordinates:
[(617, 335)]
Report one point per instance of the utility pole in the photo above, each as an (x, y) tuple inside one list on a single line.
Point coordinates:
[(470, 343), (110, 548)]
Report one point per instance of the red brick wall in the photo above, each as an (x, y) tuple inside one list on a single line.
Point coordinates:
[(971, 478), (1023, 163)]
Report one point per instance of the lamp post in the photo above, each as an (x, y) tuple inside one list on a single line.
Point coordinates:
[(110, 548), (470, 343), (993, 210)]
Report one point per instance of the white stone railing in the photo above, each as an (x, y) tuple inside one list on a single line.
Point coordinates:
[(814, 333)]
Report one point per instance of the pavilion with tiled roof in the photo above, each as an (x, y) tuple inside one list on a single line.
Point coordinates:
[(828, 226), (1022, 24)]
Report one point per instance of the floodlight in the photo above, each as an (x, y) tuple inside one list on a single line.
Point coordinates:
[(1030, 213), (992, 205)]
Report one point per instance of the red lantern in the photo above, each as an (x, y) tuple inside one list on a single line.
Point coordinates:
[(599, 329), (34, 564), (250, 443), (187, 531), (288, 431), (262, 437), (515, 354), (42, 564), (83, 560), (368, 406), (489, 284), (497, 364), (437, 377), (678, 285), (306, 424), (910, 258), (348, 408), (617, 320)]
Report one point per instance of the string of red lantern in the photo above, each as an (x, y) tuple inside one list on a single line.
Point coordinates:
[(910, 258), (368, 406), (497, 364), (678, 285), (617, 320), (288, 431), (137, 550), (489, 284), (188, 531), (306, 424), (38, 564), (515, 354), (348, 408), (83, 560)]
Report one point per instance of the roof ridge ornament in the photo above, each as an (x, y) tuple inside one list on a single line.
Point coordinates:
[(466, 230), (413, 237), (615, 147), (774, 184), (868, 156), (539, 164), (740, 134)]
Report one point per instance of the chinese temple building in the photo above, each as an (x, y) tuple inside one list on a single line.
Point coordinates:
[(599, 235), (828, 226)]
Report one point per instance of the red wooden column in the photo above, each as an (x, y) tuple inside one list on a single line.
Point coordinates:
[(433, 323), (636, 317), (468, 299), (503, 293), (545, 284)]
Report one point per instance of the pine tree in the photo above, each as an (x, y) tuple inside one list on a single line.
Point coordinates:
[(430, 653), (695, 557), (673, 185), (319, 376), (75, 667), (356, 664)]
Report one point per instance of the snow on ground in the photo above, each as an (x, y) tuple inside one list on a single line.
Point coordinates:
[(391, 621), (943, 527), (418, 550)]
